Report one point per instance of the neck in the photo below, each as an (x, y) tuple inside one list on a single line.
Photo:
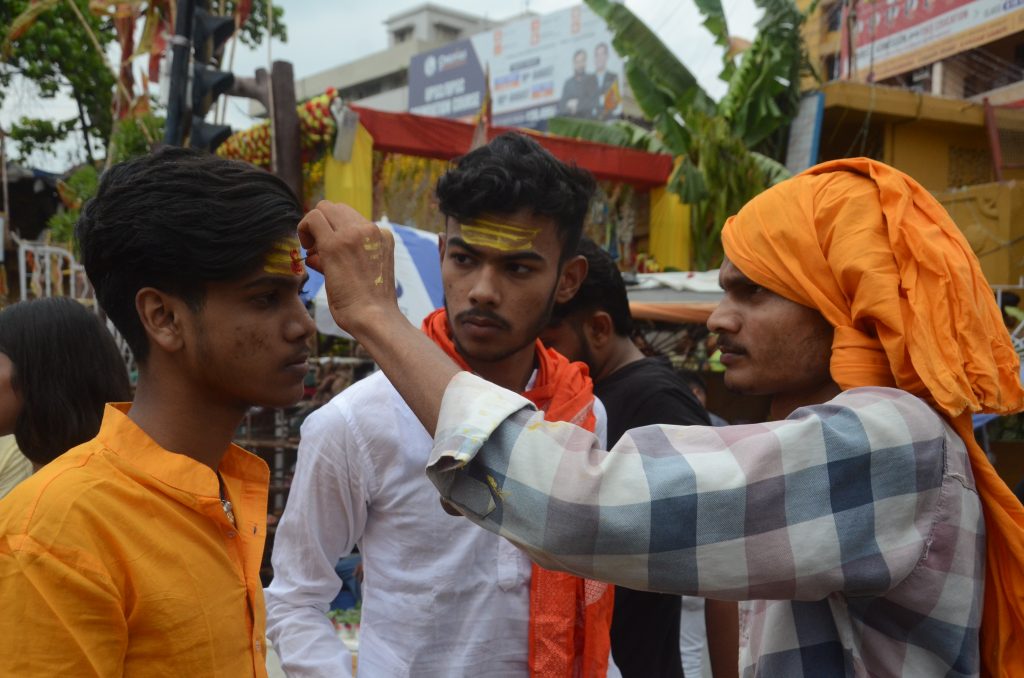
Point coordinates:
[(784, 404), (621, 352), (512, 372), (180, 422)]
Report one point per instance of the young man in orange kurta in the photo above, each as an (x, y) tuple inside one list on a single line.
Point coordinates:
[(138, 552)]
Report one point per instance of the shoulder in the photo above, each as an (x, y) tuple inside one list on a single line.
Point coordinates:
[(873, 419), (362, 403), (879, 406), (66, 495), (652, 384), (367, 418)]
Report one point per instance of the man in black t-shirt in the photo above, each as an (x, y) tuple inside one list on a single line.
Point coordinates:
[(595, 327)]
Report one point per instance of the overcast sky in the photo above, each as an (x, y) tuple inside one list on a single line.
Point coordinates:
[(324, 34)]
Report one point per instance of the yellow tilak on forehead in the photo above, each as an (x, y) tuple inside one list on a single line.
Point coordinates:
[(504, 237), (285, 258)]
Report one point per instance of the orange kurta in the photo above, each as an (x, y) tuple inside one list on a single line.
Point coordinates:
[(117, 559), (882, 261)]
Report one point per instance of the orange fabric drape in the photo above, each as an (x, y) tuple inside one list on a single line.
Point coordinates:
[(570, 617), (883, 262)]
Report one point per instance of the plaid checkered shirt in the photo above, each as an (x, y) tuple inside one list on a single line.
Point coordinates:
[(852, 529)]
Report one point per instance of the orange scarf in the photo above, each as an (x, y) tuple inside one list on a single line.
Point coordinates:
[(570, 617), (882, 261)]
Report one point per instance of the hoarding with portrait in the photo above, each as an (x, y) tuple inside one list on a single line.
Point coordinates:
[(539, 67)]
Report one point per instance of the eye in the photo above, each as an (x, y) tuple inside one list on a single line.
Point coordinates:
[(516, 268), (265, 300), (460, 258)]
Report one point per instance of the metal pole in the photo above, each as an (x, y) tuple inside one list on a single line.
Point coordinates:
[(7, 199), (174, 132), (994, 146)]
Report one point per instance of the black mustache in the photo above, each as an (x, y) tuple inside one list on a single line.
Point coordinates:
[(484, 315), (729, 347)]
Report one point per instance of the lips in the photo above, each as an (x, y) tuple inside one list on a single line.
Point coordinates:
[(730, 353), (482, 321), (300, 360)]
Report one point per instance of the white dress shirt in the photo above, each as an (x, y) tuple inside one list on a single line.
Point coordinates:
[(441, 597)]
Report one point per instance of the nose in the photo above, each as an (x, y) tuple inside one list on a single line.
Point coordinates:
[(724, 319), (300, 326), (486, 288)]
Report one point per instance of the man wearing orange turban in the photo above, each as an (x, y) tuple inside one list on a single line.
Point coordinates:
[(864, 528)]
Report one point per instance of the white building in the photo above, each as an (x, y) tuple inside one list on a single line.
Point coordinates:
[(380, 80)]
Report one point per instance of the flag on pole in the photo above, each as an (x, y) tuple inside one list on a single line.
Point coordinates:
[(483, 118)]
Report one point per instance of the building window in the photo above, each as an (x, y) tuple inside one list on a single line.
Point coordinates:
[(833, 14), (446, 33), (830, 67), (969, 166), (402, 34)]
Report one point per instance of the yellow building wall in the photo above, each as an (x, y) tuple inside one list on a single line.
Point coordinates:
[(991, 217), (939, 155), (919, 151)]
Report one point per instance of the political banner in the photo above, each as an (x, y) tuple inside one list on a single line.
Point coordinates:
[(897, 37), (540, 67)]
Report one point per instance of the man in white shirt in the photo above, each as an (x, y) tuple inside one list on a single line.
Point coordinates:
[(440, 596)]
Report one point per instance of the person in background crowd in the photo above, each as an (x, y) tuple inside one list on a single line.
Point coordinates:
[(699, 388), (138, 552), (864, 525), (441, 598), (59, 366), (14, 466), (595, 327)]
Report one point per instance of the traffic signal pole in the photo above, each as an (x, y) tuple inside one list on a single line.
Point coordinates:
[(181, 42), (286, 162)]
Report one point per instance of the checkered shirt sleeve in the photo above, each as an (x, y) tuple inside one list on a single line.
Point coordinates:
[(860, 511)]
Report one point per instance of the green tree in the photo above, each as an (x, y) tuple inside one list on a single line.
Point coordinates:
[(59, 45), (54, 53), (727, 151)]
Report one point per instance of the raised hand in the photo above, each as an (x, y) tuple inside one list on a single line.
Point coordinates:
[(357, 259)]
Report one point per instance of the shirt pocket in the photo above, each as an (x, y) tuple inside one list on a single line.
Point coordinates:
[(513, 566)]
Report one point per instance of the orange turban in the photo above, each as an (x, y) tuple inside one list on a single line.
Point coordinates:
[(880, 258)]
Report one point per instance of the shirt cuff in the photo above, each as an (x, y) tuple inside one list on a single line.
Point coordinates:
[(472, 409)]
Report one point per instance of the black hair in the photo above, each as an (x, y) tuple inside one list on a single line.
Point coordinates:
[(579, 52), (512, 173), (601, 45), (175, 220), (602, 290), (66, 366)]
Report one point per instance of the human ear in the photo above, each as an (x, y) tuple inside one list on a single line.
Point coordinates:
[(599, 329), (442, 242), (161, 314), (574, 272)]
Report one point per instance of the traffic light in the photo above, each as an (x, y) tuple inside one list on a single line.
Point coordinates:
[(209, 33), (200, 37), (206, 33)]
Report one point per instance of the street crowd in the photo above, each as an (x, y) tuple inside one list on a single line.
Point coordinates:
[(530, 494)]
